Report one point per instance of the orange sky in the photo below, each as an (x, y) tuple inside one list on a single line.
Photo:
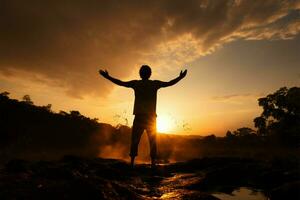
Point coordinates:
[(235, 52)]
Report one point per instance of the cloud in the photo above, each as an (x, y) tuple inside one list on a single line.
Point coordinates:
[(236, 98), (65, 42), (231, 96)]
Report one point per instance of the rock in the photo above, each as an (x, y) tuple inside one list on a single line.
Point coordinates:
[(286, 191), (81, 178)]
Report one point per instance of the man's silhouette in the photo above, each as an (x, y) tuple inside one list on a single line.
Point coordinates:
[(145, 91)]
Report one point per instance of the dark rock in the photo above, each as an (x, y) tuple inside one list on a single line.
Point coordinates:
[(16, 166), (81, 178), (286, 191)]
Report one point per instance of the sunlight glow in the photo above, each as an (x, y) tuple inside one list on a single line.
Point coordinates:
[(164, 124)]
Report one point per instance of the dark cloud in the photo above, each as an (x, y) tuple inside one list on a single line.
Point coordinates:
[(67, 41), (231, 96), (236, 97)]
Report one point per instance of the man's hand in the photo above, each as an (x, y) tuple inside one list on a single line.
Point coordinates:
[(104, 73), (182, 74)]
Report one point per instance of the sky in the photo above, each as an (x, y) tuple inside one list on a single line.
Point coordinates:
[(235, 51)]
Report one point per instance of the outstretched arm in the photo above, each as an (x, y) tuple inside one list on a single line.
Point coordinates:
[(114, 80), (174, 81)]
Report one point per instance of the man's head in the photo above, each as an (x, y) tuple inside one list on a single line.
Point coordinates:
[(145, 72)]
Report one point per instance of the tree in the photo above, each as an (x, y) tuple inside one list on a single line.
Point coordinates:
[(229, 135), (260, 124), (64, 113), (245, 131), (210, 138), (76, 114), (26, 98), (47, 107), (4, 94), (281, 115)]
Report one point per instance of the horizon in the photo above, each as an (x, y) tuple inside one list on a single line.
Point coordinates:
[(53, 51), (122, 124)]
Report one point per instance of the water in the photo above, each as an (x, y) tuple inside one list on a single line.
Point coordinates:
[(175, 188), (242, 193)]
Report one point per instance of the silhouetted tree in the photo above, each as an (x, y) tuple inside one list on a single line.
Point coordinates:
[(61, 112), (229, 134), (260, 124), (210, 138), (4, 95), (281, 116), (245, 131), (26, 98), (47, 107)]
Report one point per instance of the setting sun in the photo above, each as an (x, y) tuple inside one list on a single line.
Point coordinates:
[(164, 124)]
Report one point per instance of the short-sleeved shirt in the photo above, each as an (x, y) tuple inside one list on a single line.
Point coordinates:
[(145, 92)]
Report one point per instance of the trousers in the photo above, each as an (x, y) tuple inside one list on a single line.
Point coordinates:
[(141, 123)]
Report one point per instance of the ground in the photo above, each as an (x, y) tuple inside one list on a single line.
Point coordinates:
[(82, 178)]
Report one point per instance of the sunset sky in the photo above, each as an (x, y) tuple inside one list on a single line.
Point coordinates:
[(235, 51)]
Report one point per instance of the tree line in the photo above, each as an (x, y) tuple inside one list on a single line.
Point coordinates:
[(28, 130)]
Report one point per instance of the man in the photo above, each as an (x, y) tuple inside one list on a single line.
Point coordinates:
[(145, 92)]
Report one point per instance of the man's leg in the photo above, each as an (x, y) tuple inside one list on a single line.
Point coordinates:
[(137, 131), (151, 132)]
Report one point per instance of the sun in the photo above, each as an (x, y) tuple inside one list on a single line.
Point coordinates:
[(164, 124)]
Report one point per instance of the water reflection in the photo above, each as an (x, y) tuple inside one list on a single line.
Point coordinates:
[(176, 187), (242, 193)]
